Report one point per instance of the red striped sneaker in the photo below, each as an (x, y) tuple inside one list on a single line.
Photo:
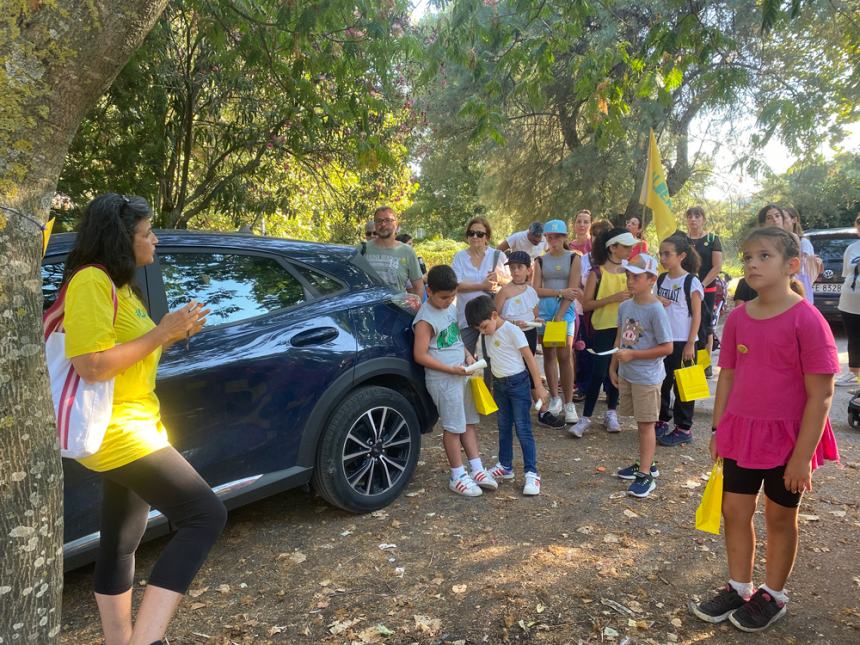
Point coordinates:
[(484, 479), (500, 472), (465, 486)]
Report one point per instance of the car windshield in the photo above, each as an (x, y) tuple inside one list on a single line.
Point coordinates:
[(831, 251)]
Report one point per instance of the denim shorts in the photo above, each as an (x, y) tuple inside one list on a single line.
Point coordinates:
[(547, 308)]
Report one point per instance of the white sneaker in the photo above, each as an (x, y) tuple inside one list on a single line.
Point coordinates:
[(555, 405), (570, 415), (579, 429), (465, 486), (846, 380), (532, 486), (484, 479), (611, 421)]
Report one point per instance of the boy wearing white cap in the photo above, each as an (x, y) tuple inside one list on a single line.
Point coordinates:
[(644, 338)]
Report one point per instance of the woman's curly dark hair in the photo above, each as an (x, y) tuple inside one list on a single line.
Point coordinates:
[(106, 236)]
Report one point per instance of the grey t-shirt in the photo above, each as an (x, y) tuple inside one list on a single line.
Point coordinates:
[(445, 343), (397, 266), (643, 327)]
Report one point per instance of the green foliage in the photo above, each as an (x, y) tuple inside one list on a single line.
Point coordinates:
[(825, 193), (548, 103), (233, 112), (438, 250)]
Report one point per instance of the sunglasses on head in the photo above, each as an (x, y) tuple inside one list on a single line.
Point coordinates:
[(478, 234), (370, 234)]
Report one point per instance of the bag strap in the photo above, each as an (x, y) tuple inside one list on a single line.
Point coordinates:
[(52, 319), (688, 285)]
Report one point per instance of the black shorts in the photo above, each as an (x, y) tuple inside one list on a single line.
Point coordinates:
[(747, 481)]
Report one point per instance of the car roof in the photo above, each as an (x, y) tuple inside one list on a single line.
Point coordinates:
[(845, 232)]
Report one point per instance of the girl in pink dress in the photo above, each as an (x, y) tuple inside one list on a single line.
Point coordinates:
[(777, 362)]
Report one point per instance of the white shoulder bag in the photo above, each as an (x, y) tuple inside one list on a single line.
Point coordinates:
[(83, 409)]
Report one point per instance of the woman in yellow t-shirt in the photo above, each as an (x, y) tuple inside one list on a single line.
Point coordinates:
[(139, 468), (605, 288)]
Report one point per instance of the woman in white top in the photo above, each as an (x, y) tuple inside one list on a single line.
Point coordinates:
[(480, 271), (849, 306)]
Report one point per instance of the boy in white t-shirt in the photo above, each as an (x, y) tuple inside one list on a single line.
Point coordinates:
[(511, 362), (440, 350)]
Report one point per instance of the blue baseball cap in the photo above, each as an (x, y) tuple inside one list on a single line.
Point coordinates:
[(555, 226)]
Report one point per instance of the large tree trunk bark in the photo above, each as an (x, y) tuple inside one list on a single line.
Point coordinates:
[(55, 60)]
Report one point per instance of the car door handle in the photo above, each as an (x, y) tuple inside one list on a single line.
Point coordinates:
[(314, 337)]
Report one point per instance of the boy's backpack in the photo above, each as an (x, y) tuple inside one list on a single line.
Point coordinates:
[(688, 284)]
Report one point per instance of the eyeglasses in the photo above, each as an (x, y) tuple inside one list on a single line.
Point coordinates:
[(478, 234), (387, 220)]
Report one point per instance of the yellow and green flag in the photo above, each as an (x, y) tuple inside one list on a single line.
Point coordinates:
[(655, 193)]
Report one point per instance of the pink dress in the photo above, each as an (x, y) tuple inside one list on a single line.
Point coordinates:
[(762, 417)]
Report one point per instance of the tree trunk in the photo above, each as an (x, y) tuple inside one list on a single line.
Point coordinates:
[(57, 58)]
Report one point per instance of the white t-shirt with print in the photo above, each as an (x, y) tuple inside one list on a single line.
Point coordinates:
[(849, 299), (503, 350), (466, 272), (679, 317), (522, 306), (520, 242)]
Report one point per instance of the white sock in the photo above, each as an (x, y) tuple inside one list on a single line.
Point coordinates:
[(457, 472), (744, 589), (475, 465), (779, 596)]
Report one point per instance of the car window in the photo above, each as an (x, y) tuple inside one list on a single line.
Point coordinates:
[(832, 250), (323, 284), (52, 279), (233, 286)]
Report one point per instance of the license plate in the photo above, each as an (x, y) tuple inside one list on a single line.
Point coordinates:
[(826, 287)]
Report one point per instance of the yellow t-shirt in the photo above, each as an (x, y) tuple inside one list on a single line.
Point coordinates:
[(610, 283), (135, 428)]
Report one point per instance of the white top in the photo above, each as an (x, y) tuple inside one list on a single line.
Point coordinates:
[(522, 306), (445, 343), (679, 317), (503, 350), (466, 272), (520, 242), (849, 299)]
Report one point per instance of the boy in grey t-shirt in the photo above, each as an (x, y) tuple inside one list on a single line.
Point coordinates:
[(439, 348), (644, 338)]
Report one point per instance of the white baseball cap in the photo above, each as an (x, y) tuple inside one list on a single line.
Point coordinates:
[(642, 263), (624, 239)]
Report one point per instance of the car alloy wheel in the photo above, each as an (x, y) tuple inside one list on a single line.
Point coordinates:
[(376, 451)]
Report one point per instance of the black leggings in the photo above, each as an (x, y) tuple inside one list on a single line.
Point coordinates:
[(852, 330), (602, 340), (683, 412), (165, 481)]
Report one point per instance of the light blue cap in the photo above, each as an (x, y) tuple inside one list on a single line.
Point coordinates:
[(555, 226)]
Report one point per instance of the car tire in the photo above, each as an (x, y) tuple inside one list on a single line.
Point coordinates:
[(368, 450)]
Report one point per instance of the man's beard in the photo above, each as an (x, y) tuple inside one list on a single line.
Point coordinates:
[(384, 235)]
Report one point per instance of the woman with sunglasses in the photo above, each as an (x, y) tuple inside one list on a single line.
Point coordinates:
[(479, 272)]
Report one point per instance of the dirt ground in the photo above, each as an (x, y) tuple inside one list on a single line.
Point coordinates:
[(580, 563)]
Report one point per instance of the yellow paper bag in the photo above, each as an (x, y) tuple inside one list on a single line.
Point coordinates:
[(711, 507), (484, 402), (555, 334), (692, 384), (703, 358)]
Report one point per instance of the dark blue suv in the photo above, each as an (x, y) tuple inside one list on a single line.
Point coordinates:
[(304, 373)]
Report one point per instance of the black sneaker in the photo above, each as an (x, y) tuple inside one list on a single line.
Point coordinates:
[(720, 607), (759, 613), (549, 420)]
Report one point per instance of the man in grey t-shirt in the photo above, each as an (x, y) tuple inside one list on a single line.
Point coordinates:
[(393, 261)]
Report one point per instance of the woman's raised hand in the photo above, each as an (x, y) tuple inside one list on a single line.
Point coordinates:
[(183, 322)]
